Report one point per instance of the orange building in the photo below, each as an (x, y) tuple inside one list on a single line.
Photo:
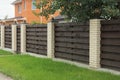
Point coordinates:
[(25, 8)]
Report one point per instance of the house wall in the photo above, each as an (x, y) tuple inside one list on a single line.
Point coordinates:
[(28, 13)]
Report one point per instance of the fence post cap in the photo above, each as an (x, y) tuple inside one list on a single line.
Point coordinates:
[(95, 19)]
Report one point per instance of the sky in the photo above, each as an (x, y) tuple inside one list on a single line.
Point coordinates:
[(6, 9)]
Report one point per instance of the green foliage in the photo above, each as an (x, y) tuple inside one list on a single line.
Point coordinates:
[(80, 10)]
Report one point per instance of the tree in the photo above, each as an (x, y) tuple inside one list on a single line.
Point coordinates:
[(80, 10)]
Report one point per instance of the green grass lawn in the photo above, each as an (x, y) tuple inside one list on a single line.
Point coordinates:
[(2, 52), (25, 67)]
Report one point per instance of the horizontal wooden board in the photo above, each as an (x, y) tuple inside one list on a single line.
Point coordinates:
[(38, 50), (8, 39), (71, 57), (37, 42), (80, 58), (110, 67), (37, 34), (8, 36), (110, 22), (70, 45), (36, 38), (71, 24), (111, 34), (63, 55), (111, 56), (8, 33), (37, 47), (30, 30), (8, 46), (41, 34), (113, 49), (42, 52), (110, 28), (37, 25), (72, 34), (36, 29), (18, 35), (72, 51), (8, 42), (110, 63), (41, 29), (70, 40), (75, 29), (113, 42), (8, 29)]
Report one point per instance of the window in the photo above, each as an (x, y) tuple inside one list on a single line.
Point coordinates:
[(19, 9), (33, 6), (24, 4)]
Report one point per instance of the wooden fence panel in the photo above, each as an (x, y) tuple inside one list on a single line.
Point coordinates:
[(36, 39), (110, 45), (8, 37), (18, 38), (72, 42)]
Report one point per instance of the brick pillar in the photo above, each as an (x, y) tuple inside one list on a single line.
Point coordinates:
[(23, 38), (95, 32), (50, 40), (14, 38), (2, 36)]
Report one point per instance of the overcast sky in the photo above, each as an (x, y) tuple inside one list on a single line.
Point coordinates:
[(6, 8)]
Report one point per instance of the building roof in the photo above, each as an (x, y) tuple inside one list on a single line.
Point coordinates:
[(14, 18), (16, 1)]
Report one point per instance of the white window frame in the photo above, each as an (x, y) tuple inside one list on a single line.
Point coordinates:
[(19, 9), (33, 6)]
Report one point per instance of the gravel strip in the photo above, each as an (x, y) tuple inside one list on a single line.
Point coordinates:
[(4, 77)]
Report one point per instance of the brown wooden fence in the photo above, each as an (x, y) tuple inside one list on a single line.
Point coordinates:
[(36, 39), (72, 42), (110, 45), (18, 38), (8, 37)]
